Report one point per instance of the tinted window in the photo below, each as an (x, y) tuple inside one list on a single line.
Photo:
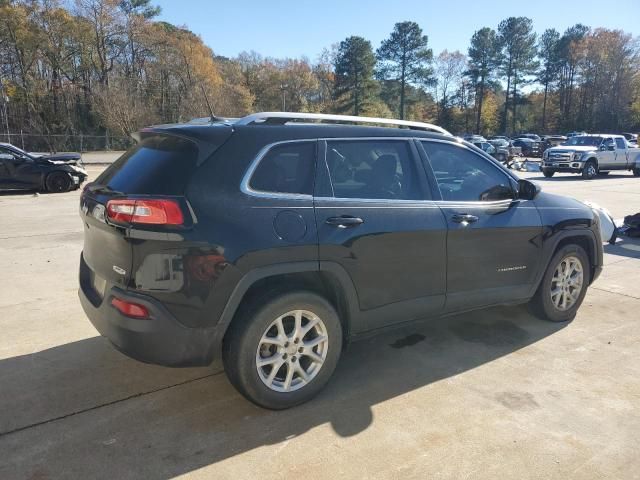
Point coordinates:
[(160, 165), (465, 176), (286, 168), (621, 143), (372, 169)]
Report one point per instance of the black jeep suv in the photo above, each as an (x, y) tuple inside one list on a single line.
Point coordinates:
[(273, 239)]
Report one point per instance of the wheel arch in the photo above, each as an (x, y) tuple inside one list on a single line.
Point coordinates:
[(327, 279), (584, 238)]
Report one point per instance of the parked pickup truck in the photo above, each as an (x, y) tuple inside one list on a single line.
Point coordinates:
[(591, 155)]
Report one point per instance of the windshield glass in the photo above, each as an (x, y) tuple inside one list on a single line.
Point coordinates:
[(584, 141)]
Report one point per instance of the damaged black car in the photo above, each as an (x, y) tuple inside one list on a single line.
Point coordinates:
[(20, 170)]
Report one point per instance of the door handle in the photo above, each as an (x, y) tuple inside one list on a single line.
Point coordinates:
[(344, 222), (464, 218)]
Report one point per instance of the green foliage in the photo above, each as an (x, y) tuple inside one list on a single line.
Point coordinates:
[(355, 87), (405, 58), (108, 66), (518, 44), (484, 57)]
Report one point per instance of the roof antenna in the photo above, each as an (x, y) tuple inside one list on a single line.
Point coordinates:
[(213, 116)]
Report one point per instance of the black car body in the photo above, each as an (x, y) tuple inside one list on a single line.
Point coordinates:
[(20, 170), (529, 148), (378, 222)]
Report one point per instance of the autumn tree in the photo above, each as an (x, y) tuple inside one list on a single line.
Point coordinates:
[(448, 70), (405, 58)]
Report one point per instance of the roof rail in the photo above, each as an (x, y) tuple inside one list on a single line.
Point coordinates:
[(282, 118)]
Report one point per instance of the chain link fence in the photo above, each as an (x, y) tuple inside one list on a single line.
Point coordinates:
[(66, 143)]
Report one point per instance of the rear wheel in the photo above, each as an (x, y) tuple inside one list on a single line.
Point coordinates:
[(281, 353), (590, 170), (548, 173), (563, 286), (636, 172), (58, 182)]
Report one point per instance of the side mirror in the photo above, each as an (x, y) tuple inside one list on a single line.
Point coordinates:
[(528, 190), (611, 148), (603, 148)]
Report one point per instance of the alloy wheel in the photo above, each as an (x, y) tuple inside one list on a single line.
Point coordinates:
[(292, 351), (567, 283)]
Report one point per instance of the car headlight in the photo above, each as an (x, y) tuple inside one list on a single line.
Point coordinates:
[(576, 156)]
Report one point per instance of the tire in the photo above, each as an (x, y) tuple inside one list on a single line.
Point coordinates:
[(244, 345), (543, 304), (636, 172), (58, 182), (547, 173), (590, 170)]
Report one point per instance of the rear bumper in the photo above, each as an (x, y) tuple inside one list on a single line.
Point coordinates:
[(160, 340)]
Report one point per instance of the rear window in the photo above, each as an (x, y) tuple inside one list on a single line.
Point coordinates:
[(158, 165)]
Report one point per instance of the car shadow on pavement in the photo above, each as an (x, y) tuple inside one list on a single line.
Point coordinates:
[(82, 410)]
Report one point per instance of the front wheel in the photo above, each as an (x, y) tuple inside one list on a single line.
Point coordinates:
[(58, 182), (281, 353), (590, 170), (563, 286)]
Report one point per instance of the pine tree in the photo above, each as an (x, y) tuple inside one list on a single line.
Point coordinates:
[(405, 58)]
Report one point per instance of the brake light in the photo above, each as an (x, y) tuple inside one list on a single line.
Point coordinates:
[(130, 309), (152, 212)]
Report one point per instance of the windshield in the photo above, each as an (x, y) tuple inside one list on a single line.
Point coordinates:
[(584, 141)]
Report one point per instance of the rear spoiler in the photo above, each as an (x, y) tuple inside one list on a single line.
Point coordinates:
[(207, 139)]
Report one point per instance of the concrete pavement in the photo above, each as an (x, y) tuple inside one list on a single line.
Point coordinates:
[(491, 394)]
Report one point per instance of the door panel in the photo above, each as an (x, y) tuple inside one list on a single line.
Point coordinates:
[(607, 158), (392, 248), (493, 242), (621, 153), (495, 258)]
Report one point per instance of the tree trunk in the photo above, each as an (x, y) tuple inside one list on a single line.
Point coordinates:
[(506, 100), (514, 100), (544, 107), (480, 100), (356, 103)]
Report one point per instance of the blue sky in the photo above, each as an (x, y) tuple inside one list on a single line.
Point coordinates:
[(287, 28)]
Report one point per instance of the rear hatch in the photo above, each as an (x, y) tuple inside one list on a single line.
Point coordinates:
[(143, 191)]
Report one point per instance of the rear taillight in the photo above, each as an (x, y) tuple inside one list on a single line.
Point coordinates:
[(130, 309), (150, 212)]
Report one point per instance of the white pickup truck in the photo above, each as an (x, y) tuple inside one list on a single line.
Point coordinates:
[(591, 155)]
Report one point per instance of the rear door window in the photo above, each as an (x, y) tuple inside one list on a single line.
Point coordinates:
[(286, 168), (372, 169), (158, 165)]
